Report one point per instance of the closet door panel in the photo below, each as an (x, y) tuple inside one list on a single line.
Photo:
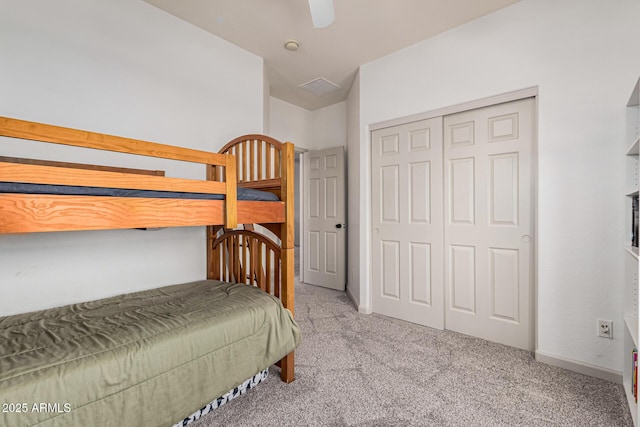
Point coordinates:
[(407, 222), (489, 211)]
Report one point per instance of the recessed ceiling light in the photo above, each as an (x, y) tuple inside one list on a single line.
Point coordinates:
[(292, 45)]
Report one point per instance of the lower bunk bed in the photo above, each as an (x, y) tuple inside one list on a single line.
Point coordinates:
[(146, 358)]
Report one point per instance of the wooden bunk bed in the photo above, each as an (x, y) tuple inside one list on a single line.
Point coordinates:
[(46, 196)]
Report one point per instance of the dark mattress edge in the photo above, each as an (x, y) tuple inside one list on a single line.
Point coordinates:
[(246, 194)]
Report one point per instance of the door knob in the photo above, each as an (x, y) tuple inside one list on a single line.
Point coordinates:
[(338, 225), (526, 238)]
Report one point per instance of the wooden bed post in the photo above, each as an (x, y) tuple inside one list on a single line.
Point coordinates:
[(230, 206), (211, 232), (287, 245), (278, 177), (231, 198)]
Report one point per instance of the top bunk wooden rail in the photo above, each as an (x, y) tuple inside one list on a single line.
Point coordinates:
[(21, 213)]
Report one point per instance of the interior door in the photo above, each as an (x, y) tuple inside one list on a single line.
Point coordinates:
[(324, 218), (407, 222), (489, 227)]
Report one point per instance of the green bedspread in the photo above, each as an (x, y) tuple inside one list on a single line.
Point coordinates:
[(142, 359)]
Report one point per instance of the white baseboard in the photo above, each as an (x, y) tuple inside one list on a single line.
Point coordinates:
[(580, 367), (364, 310)]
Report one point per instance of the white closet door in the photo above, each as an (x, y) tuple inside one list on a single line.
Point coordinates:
[(488, 223), (407, 235)]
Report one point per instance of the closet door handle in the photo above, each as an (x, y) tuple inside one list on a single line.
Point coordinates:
[(526, 238)]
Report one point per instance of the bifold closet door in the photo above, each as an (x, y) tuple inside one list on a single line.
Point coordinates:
[(407, 222), (488, 223)]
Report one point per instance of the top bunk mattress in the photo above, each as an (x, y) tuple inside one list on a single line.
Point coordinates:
[(106, 359), (246, 194)]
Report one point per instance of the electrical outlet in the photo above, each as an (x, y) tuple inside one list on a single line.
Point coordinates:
[(605, 329)]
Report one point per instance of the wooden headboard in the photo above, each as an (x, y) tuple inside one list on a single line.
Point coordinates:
[(259, 162)]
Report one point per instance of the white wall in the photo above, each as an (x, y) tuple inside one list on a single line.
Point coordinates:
[(266, 102), (582, 55), (330, 126), (355, 133), (291, 123), (126, 68), (311, 130)]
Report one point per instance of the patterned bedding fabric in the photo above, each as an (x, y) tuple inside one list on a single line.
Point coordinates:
[(139, 359), (247, 194), (225, 398)]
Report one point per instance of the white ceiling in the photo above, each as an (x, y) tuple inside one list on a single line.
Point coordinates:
[(363, 31)]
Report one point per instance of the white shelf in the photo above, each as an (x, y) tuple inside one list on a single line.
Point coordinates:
[(634, 149), (632, 327), (634, 99), (631, 296), (633, 406)]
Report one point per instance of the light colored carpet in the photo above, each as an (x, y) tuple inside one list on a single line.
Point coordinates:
[(369, 370)]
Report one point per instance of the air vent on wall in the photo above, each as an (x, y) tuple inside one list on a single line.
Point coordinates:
[(320, 86)]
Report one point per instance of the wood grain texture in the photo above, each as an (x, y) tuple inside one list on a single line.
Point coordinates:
[(287, 373), (230, 213), (33, 131), (258, 212), (288, 194), (277, 176), (262, 184), (35, 174), (258, 159), (288, 227), (247, 256), (21, 213), (80, 166), (241, 139), (269, 175), (288, 279), (212, 175)]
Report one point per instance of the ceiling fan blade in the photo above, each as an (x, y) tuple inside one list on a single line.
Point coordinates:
[(322, 13)]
